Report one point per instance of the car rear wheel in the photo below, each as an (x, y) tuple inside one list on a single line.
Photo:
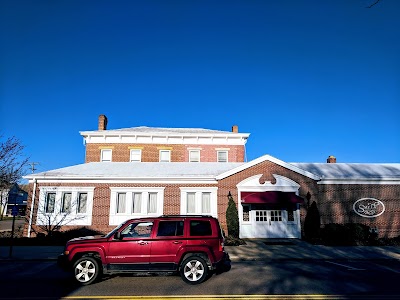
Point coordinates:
[(86, 270), (194, 270)]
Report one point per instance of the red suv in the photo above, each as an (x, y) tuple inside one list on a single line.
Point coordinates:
[(190, 245)]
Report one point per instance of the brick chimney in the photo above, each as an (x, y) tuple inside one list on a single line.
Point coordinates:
[(235, 129), (331, 159), (102, 122)]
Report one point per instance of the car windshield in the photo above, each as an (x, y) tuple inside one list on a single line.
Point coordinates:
[(111, 233)]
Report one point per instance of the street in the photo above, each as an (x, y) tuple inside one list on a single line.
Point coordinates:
[(333, 279)]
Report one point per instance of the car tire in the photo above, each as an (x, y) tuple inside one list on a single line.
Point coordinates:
[(194, 270), (86, 270)]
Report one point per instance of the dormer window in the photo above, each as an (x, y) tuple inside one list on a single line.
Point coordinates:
[(165, 155), (106, 155)]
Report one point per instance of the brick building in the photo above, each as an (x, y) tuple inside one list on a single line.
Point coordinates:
[(144, 171)]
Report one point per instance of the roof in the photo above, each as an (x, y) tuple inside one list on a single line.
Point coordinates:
[(163, 131), (352, 170), (138, 170)]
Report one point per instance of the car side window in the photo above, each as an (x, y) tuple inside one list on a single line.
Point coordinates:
[(200, 228), (137, 230), (170, 228)]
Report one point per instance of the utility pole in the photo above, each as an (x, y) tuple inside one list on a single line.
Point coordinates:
[(33, 164)]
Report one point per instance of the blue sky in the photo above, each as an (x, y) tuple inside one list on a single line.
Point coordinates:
[(306, 79)]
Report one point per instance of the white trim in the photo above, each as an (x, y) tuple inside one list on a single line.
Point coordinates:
[(271, 159), (131, 181), (73, 218), (198, 191), (377, 181), (117, 218), (282, 184), (154, 137)]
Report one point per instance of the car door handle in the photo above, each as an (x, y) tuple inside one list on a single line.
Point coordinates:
[(177, 242), (142, 243)]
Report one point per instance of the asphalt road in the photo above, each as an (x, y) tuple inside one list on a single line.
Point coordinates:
[(291, 279)]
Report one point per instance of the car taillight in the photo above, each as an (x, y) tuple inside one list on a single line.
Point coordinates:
[(221, 245)]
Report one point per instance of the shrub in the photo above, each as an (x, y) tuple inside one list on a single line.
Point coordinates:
[(232, 218), (351, 234), (312, 223)]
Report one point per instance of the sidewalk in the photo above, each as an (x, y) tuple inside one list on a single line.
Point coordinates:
[(291, 249), (254, 250)]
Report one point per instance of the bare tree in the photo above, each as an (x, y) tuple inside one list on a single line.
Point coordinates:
[(54, 213), (12, 167)]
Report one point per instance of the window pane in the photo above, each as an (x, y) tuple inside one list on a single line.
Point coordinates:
[(121, 201), (136, 155), (50, 201), (290, 214), (106, 155), (165, 156), (246, 213), (137, 203), (194, 156), (152, 206), (170, 228), (138, 230), (205, 203), (191, 204), (200, 228), (82, 199), (222, 156), (66, 203)]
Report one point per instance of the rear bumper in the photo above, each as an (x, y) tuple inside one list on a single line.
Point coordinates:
[(224, 264)]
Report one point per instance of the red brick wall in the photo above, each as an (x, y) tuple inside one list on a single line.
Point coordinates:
[(335, 202), (336, 206), (150, 152)]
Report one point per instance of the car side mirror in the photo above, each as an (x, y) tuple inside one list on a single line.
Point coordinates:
[(118, 236)]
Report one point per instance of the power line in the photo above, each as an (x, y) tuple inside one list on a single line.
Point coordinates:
[(32, 164)]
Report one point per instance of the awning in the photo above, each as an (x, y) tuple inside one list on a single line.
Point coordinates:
[(272, 197)]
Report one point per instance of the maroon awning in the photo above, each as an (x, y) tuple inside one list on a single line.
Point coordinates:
[(271, 197)]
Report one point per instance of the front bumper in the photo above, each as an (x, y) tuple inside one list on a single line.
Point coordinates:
[(63, 262)]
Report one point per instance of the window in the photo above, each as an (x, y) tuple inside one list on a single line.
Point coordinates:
[(106, 155), (165, 155), (66, 202), (290, 215), (261, 216), (200, 228), (194, 156), (222, 156), (137, 203), (138, 230), (246, 213), (82, 201), (121, 203), (170, 228), (136, 155), (276, 215), (50, 202), (199, 201), (191, 203), (152, 204), (205, 203)]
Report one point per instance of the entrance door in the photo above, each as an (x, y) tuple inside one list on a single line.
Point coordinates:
[(270, 224)]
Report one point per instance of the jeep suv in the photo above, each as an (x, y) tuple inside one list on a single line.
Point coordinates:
[(190, 245)]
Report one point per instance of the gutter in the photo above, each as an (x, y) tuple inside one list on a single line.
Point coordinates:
[(32, 206)]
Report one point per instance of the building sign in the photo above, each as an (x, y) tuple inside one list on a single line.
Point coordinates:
[(368, 207)]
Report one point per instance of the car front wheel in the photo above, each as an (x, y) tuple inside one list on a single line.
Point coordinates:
[(194, 270), (86, 270)]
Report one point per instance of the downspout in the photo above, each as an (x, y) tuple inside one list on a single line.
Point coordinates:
[(32, 206)]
